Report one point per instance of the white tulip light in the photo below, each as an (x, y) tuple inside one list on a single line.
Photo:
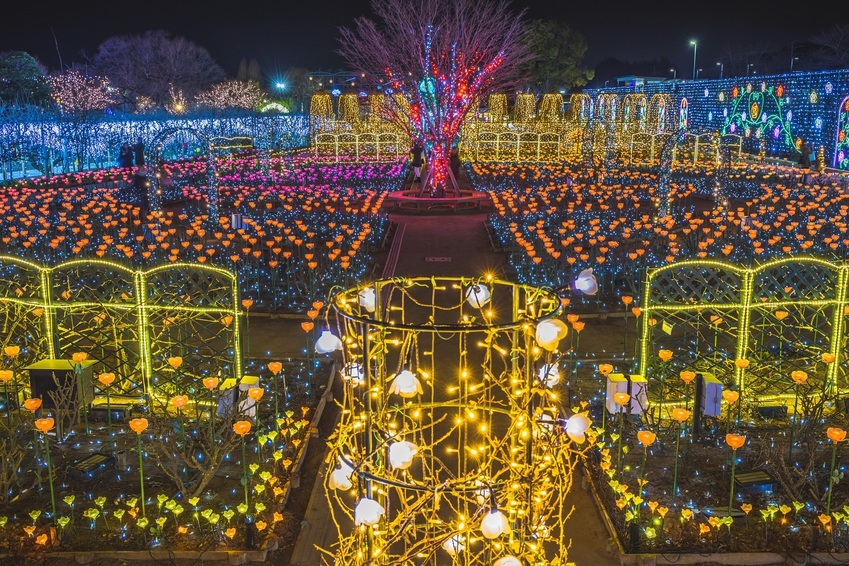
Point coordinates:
[(401, 454), (550, 332), (586, 282), (339, 479), (549, 375), (366, 298), (577, 426), (507, 561), (454, 545), (406, 385), (327, 342), (478, 295), (494, 524), (368, 512)]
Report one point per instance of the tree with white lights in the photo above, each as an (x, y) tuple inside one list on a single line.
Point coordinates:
[(436, 60), (245, 95)]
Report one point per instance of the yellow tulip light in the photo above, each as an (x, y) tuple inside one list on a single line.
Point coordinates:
[(368, 512), (550, 332)]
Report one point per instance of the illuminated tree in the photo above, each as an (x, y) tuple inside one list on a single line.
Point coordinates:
[(233, 94), (77, 93), (437, 59), (152, 63)]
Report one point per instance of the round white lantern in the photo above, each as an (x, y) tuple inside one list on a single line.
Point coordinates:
[(401, 454), (507, 561), (549, 375), (586, 282), (406, 385), (494, 524), (478, 295), (368, 512), (366, 298), (577, 426), (327, 342), (550, 332)]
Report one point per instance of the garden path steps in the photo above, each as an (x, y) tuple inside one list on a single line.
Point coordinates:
[(455, 244)]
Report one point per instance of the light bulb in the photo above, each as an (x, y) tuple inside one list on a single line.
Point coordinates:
[(494, 524), (401, 454), (477, 295), (366, 298), (550, 332), (507, 561), (406, 385), (368, 512), (577, 426)]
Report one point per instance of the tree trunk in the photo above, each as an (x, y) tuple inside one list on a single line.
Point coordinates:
[(438, 164)]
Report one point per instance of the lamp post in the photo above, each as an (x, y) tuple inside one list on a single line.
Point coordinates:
[(695, 45), (748, 66), (674, 73), (721, 68), (697, 72), (791, 62)]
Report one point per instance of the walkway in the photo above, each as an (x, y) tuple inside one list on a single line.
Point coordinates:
[(453, 244)]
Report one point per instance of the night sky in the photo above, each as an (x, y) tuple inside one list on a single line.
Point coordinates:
[(304, 33)]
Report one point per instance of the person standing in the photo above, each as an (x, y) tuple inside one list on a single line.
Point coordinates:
[(125, 157), (417, 151), (138, 151)]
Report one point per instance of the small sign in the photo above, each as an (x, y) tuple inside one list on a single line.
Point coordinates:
[(438, 259), (666, 327)]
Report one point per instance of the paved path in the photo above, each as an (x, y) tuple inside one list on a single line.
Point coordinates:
[(454, 244)]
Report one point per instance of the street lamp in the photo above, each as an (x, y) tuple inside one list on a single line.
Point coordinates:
[(791, 63), (695, 45), (279, 85), (721, 68), (698, 71), (674, 73), (748, 66)]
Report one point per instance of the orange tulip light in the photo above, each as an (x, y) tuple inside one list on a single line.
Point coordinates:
[(836, 434), (730, 396), (45, 424), (275, 367), (799, 377), (6, 375), (175, 361), (741, 363), (605, 369), (637, 311), (687, 376), (255, 393), (627, 300), (242, 427), (735, 441), (646, 437), (828, 358), (307, 326), (79, 357), (665, 355), (106, 379), (12, 351), (138, 425), (179, 401), (680, 415), (210, 382), (32, 404), (621, 399)]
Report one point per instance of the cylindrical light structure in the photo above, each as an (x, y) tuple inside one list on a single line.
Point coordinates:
[(448, 429)]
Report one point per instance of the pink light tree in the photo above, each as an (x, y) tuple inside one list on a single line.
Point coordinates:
[(435, 60)]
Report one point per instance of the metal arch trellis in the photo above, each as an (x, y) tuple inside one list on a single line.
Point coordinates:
[(780, 316), (664, 177), (129, 321), (156, 159)]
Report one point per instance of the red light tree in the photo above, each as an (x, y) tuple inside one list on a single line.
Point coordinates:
[(435, 60)]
